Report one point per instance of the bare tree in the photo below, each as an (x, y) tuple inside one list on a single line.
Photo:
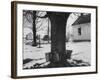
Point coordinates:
[(33, 18), (34, 29)]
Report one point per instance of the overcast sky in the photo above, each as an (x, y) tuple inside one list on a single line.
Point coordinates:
[(42, 30)]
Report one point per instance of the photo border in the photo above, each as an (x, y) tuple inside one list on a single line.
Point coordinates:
[(14, 37)]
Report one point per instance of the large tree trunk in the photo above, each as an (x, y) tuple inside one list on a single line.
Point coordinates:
[(34, 29), (58, 37)]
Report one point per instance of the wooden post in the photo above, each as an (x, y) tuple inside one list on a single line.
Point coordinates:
[(39, 42)]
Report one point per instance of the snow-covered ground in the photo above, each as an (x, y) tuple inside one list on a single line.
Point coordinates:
[(81, 51)]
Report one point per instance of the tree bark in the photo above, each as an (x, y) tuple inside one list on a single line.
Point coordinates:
[(58, 37), (34, 29)]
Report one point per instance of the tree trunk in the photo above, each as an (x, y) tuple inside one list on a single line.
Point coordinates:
[(48, 31), (34, 29), (58, 37)]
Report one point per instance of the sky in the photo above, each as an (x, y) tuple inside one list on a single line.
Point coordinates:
[(42, 28)]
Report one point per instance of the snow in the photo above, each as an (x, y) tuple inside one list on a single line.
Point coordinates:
[(81, 51), (36, 52)]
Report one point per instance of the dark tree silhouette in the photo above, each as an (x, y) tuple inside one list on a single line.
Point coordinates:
[(58, 37), (34, 29), (32, 17)]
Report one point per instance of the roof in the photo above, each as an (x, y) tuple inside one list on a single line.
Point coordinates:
[(83, 19)]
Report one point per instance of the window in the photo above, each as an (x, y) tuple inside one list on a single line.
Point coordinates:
[(79, 31)]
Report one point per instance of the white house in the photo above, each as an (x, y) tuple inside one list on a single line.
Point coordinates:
[(82, 28)]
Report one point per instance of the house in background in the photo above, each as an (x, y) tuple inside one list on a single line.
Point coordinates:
[(82, 28)]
